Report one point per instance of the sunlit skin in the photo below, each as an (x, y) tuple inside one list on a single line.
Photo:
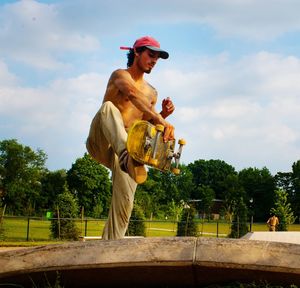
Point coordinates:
[(135, 98)]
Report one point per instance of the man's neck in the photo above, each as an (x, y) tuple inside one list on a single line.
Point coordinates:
[(136, 74)]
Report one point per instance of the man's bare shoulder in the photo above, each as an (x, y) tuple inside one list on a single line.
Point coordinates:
[(119, 73)]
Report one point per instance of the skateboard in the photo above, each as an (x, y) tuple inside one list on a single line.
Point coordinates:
[(145, 144)]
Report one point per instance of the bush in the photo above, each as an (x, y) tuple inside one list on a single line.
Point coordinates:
[(282, 209), (136, 225), (62, 225), (187, 225), (2, 235), (239, 225)]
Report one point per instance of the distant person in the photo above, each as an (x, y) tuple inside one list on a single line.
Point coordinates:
[(272, 223)]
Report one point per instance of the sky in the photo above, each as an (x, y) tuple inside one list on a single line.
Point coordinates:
[(233, 74)]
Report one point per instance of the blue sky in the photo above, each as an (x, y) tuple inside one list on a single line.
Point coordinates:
[(233, 74)]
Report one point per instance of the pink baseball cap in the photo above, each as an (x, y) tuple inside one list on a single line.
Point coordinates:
[(150, 43)]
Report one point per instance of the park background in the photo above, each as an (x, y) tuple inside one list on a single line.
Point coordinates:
[(232, 74), (222, 201)]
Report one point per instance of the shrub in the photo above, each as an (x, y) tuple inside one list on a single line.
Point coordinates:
[(136, 225), (239, 224), (62, 225), (187, 225)]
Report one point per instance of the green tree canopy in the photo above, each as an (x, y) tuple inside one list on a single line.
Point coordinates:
[(211, 173), (233, 196), (53, 184), (21, 170), (282, 209), (259, 185), (295, 198), (150, 195), (137, 225), (161, 188), (187, 225), (62, 226), (205, 195), (239, 225), (89, 182)]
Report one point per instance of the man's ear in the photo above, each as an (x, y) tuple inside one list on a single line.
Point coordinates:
[(135, 53)]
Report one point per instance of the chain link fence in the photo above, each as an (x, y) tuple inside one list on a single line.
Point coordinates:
[(38, 228)]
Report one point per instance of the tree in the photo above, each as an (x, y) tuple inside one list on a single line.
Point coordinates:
[(136, 225), (233, 196), (53, 184), (239, 225), (2, 211), (161, 188), (206, 195), (187, 226), (175, 210), (177, 187), (295, 199), (62, 225), (282, 209), (149, 195), (211, 173), (21, 170), (89, 182), (259, 185), (284, 180)]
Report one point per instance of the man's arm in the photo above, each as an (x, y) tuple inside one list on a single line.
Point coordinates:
[(167, 108), (123, 81)]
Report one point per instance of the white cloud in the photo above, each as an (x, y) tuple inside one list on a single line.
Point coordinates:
[(245, 112), (33, 33), (220, 117), (241, 110), (6, 78), (258, 20), (39, 34), (53, 115), (248, 19)]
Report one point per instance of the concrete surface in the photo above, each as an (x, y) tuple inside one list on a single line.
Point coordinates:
[(280, 236), (153, 262)]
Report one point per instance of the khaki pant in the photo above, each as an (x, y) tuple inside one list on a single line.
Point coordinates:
[(272, 228), (106, 140)]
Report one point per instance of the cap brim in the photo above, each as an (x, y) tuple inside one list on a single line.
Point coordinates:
[(163, 54)]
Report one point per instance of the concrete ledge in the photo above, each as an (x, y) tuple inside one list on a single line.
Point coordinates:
[(84, 238), (280, 236), (154, 262)]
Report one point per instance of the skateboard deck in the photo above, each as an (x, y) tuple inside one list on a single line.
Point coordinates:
[(145, 144)]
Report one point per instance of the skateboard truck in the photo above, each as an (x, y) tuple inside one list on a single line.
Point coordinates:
[(160, 129), (153, 160), (177, 156)]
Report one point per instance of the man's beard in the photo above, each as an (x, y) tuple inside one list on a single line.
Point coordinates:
[(145, 70), (148, 71)]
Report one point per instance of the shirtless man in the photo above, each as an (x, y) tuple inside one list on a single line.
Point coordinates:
[(272, 223), (128, 98)]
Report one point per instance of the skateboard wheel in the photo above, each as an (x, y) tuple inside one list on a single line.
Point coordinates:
[(159, 127), (176, 171), (181, 142), (153, 161)]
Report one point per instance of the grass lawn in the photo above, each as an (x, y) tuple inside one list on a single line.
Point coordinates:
[(16, 230)]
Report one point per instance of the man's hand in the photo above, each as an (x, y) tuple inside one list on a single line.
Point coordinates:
[(169, 129), (167, 107), (169, 132)]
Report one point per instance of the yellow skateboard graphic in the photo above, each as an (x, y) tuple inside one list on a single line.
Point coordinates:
[(145, 144)]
